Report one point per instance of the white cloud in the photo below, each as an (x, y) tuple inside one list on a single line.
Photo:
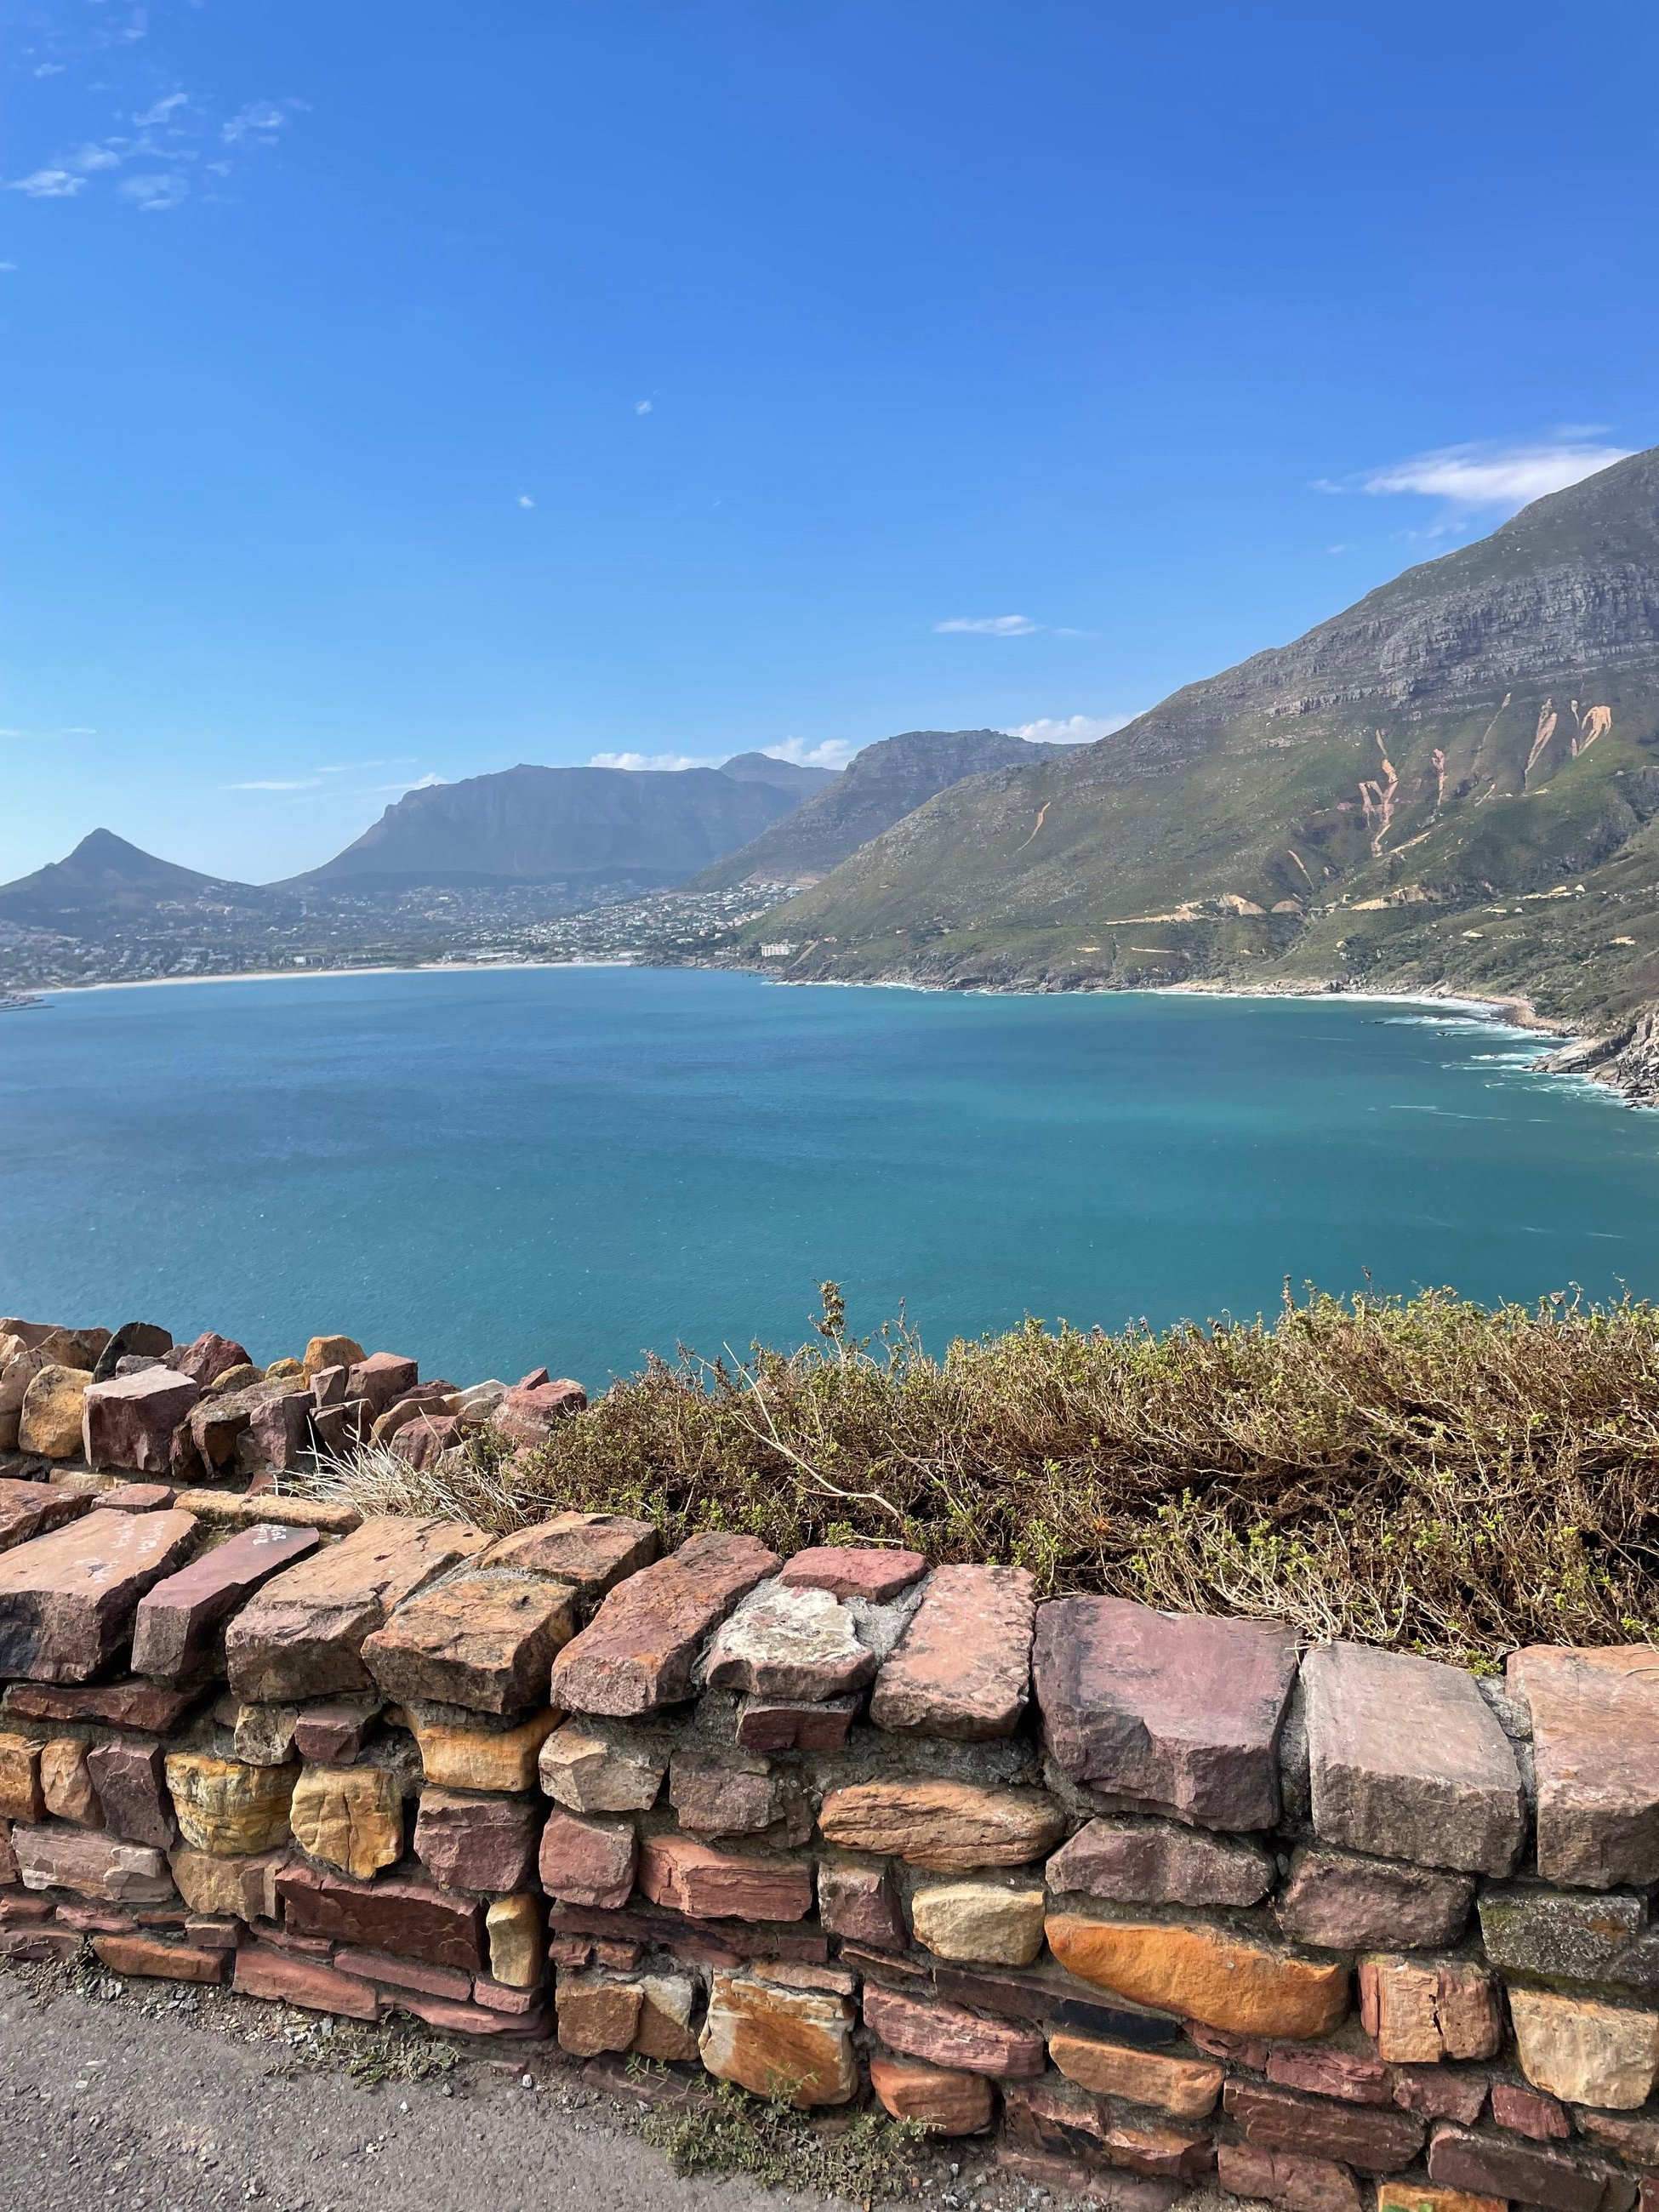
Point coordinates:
[(1476, 477), (1070, 729), (525, 500), (260, 120), (48, 68), (991, 625), (48, 184), (77, 731), (7, 267), (155, 194), (160, 110), (655, 762), (274, 783), (94, 157), (834, 752), (642, 406)]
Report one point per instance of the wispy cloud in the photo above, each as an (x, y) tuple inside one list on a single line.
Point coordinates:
[(990, 625), (1070, 729), (170, 133), (58, 184), (833, 753), (261, 122), (1485, 478), (525, 500), (357, 767), (161, 110), (277, 783), (650, 762), (642, 407), (156, 194)]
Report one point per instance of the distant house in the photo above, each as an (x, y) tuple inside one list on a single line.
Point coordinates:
[(781, 948)]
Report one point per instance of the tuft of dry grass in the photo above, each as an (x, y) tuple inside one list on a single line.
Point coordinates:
[(1425, 1472)]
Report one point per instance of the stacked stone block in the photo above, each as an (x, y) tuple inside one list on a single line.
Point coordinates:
[(1159, 1900)]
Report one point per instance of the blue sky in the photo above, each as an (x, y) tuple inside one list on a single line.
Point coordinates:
[(393, 393)]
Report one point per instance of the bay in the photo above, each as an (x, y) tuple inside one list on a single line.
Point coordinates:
[(496, 1168)]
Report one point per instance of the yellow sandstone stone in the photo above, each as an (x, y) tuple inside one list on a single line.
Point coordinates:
[(227, 1809), (49, 1423), (1188, 2087), (1204, 1973), (664, 2030), (513, 1925), (979, 1921), (483, 1758), (792, 2045), (351, 1817), (281, 1369), (594, 2014), (1583, 2050), (66, 1781), (1419, 2196), (945, 1826), (331, 1352), (20, 1777), (228, 1888)]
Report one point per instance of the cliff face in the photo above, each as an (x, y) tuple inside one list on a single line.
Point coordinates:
[(1451, 782)]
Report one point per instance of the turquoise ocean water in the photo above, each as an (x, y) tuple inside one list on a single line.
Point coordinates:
[(494, 1170)]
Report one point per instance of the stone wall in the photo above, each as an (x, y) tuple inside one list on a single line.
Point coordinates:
[(1157, 1899)]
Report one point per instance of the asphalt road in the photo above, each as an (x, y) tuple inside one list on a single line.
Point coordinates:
[(174, 2106)]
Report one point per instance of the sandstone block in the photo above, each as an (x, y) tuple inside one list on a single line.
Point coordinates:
[(512, 1926), (1188, 2087), (1440, 2092), (695, 1879), (207, 1357), (49, 1423), (1407, 1761), (1595, 1750), (67, 1599), (1352, 1904), (380, 1378), (335, 1729), (28, 1510), (173, 1627), (483, 1758), (963, 1668), (393, 1914), (475, 2019), (1637, 2141), (944, 2102), (723, 1796), (592, 1552), (792, 1724), (229, 1510), (1489, 2166), (129, 1421), (1376, 2140), (1580, 1934), (1586, 2051), (1159, 1863), (18, 1369), (848, 1571), (530, 1412), (91, 1865), (1413, 2196), (1277, 2176), (350, 1817), (484, 1843), (66, 1781), (20, 1797), (303, 1635), (243, 1888), (263, 1734), (665, 2032), (592, 1773), (261, 1971), (595, 2015), (1420, 2011), (483, 1641), (979, 1921), (1180, 1713), (1530, 2113), (589, 1862), (38, 1944), (784, 1642), (388, 1972), (140, 1340), (323, 1352), (947, 2035), (136, 1498), (9, 1870), (142, 1705), (638, 1651), (1204, 1973), (1323, 2072), (859, 1902), (278, 1432), (146, 1956), (227, 1807), (944, 1827), (793, 2044)]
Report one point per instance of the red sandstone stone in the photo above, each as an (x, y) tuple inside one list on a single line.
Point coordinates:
[(531, 1411), (394, 1914), (174, 1625), (638, 1652), (1349, 1904), (53, 1857), (380, 1967), (585, 1862), (333, 1732), (592, 1552), (171, 1962), (859, 1902), (1180, 1713), (847, 1570), (142, 1705), (129, 1421), (67, 1599), (208, 1358), (693, 1878), (474, 2020), (499, 1997), (963, 1668), (937, 2098), (263, 1973), (1530, 2113), (1277, 2176), (1595, 1748), (136, 1498), (791, 1724), (38, 1945), (131, 1788), (1376, 2140), (1491, 2165), (1327, 2073), (484, 1641), (1159, 1863), (96, 1920), (28, 1510), (476, 1841), (380, 1378), (944, 2035), (1440, 2092)]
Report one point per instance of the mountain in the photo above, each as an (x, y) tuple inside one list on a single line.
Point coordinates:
[(760, 767), (882, 784), (1456, 782), (104, 879), (595, 829)]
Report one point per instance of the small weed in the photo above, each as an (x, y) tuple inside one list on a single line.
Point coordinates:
[(864, 2155)]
